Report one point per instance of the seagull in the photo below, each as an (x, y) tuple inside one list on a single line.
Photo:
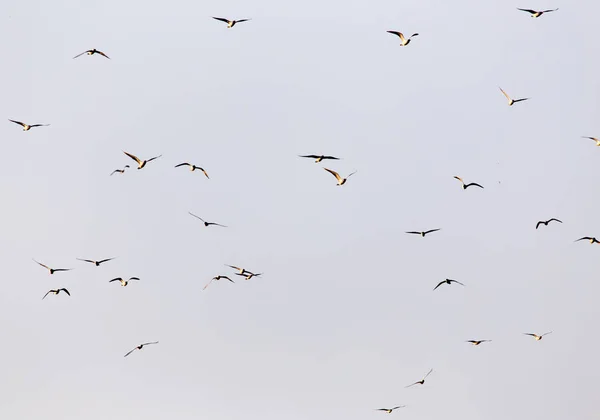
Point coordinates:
[(465, 186), (447, 281), (423, 233), (389, 410), (192, 168), (340, 180), (140, 347), (230, 23), (217, 278), (538, 337), (56, 292), (510, 100), (248, 275), (422, 381), (592, 138), (27, 127), (121, 171), (206, 223), (535, 14), (591, 239), (141, 163), (92, 52), (241, 270), (477, 342), (403, 41), (96, 263), (52, 270), (123, 282), (319, 158), (541, 222)]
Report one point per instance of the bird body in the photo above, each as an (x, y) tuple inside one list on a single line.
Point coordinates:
[(340, 180), (56, 292), (545, 223), (319, 158), (403, 40), (230, 23), (447, 281), (193, 168), (92, 52), (537, 14), (122, 281), (141, 346), (141, 163), (27, 127), (465, 186)]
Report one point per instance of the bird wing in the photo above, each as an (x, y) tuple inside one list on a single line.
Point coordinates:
[(398, 406), (108, 259), (521, 99), (115, 171), (47, 293), (309, 156), (133, 157), (415, 34), (330, 157), (399, 34), (428, 373), (221, 19), (233, 266), (79, 55), (151, 159), (334, 173), (459, 178), (538, 224), (130, 351), (204, 172), (432, 230), (62, 269), (147, 344), (418, 382), (182, 164), (439, 284), (556, 220), (527, 10), (134, 278), (580, 239), (216, 224), (43, 265), (38, 125), (18, 122), (505, 94), (66, 291), (225, 277), (207, 284), (198, 217), (351, 174), (102, 54), (471, 341), (415, 233), (242, 20), (531, 334), (475, 184), (117, 279), (455, 281), (90, 261), (382, 409), (551, 10), (549, 332)]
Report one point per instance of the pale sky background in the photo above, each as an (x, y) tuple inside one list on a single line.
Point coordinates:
[(344, 316)]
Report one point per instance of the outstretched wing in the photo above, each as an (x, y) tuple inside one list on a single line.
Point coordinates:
[(439, 284), (521, 100), (580, 239), (182, 164), (418, 382), (47, 293), (130, 351), (527, 10), (79, 55), (147, 344), (555, 220), (108, 259), (399, 34), (505, 94), (18, 122), (43, 265), (242, 20), (551, 10), (117, 279), (102, 54), (456, 281), (66, 291), (198, 217), (334, 173), (39, 125), (474, 184), (538, 224), (432, 230), (415, 233), (204, 172), (133, 157), (221, 19), (428, 373), (151, 159), (309, 156), (216, 224)]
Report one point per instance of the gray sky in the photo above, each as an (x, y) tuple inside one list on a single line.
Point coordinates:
[(344, 316)]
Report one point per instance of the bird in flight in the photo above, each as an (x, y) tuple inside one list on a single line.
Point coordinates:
[(56, 292), (193, 168), (542, 222), (589, 238), (241, 270), (403, 41), (52, 270), (447, 281), (319, 158), (120, 171), (217, 278), (422, 381), (96, 263), (340, 180), (141, 346), (510, 100), (141, 163), (535, 14), (123, 282), (206, 223), (27, 127), (230, 23), (248, 275), (538, 337), (423, 233), (465, 186), (389, 410), (92, 52), (477, 342), (592, 138)]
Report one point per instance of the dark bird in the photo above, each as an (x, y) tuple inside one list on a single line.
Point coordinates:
[(206, 223), (230, 23), (477, 342), (141, 163), (123, 282), (541, 222), (193, 168), (592, 138), (216, 279), (140, 347), (340, 180), (92, 52), (403, 41), (510, 100), (56, 292), (96, 263), (465, 186), (52, 270), (447, 281), (423, 233), (120, 171), (538, 337), (27, 127), (589, 238), (422, 381), (535, 14), (248, 275), (389, 410), (319, 158)]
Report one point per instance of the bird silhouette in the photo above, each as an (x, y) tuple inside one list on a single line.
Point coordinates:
[(389, 410), (141, 346), (422, 381), (120, 171), (97, 263), (477, 342), (56, 292), (447, 281), (545, 223), (589, 238), (538, 337), (27, 127), (511, 101), (193, 168), (230, 23), (340, 180), (52, 270), (465, 186), (141, 163), (216, 278), (205, 222), (319, 158), (124, 282), (92, 52), (403, 40), (536, 14), (423, 233)]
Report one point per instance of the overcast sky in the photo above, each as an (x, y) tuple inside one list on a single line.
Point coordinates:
[(344, 317)]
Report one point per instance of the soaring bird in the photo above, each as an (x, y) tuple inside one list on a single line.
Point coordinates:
[(230, 23), (240, 270), (340, 180), (422, 381), (465, 186), (97, 263), (192, 168), (510, 100), (248, 275), (206, 223), (52, 270), (423, 233), (319, 158), (477, 342), (389, 410), (541, 222), (403, 41), (538, 337), (447, 281), (592, 138), (123, 282), (92, 52), (217, 278), (589, 238), (141, 163), (140, 347), (120, 171), (56, 292), (535, 14), (27, 127)]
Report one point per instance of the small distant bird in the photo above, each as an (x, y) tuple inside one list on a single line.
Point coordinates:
[(589, 238), (217, 278), (96, 263), (403, 41), (535, 14), (592, 138), (389, 410), (538, 337), (140, 347), (206, 223), (477, 342), (192, 168), (447, 281), (465, 186), (141, 163), (56, 292), (52, 270), (120, 171), (123, 282), (92, 52), (230, 23), (319, 158), (248, 275), (541, 222), (340, 180), (423, 233), (241, 270), (510, 100), (27, 127), (422, 381)]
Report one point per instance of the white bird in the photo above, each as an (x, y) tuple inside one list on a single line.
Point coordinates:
[(27, 127), (538, 337), (536, 14), (230, 23), (192, 168), (141, 163), (403, 41), (123, 282), (340, 180)]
